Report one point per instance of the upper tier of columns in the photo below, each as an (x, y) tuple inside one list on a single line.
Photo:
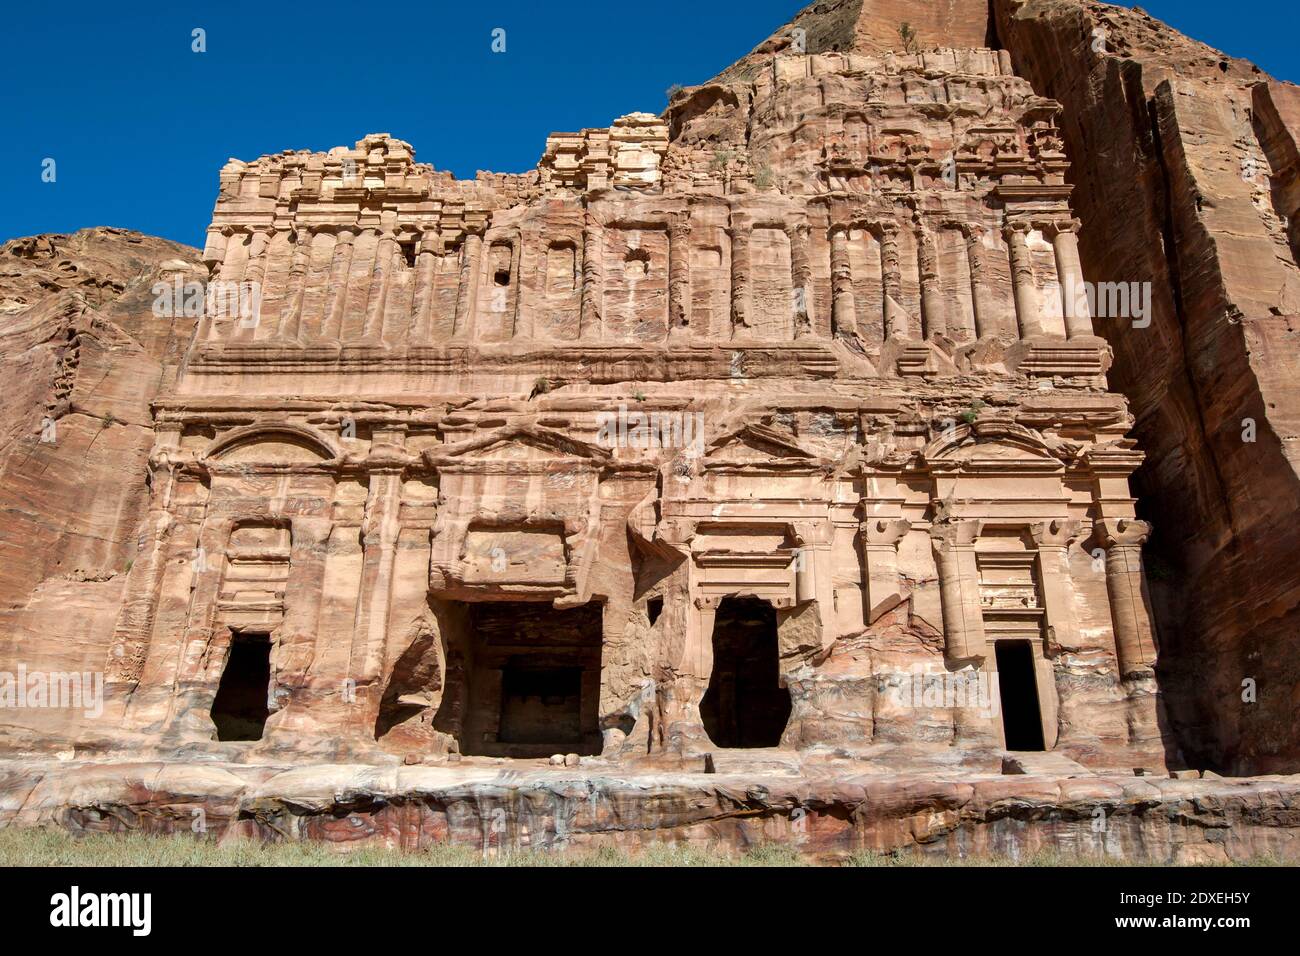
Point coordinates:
[(376, 285)]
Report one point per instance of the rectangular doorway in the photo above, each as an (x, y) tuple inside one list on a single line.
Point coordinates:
[(541, 705), (1022, 720), (745, 704), (241, 706), (533, 679)]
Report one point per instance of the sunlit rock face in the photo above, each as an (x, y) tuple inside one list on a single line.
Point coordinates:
[(776, 428)]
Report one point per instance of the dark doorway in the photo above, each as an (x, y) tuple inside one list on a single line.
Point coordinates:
[(534, 680), (745, 705), (240, 708), (541, 705), (1021, 718)]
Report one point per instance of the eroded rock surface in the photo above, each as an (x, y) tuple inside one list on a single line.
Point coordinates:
[(826, 813), (82, 355)]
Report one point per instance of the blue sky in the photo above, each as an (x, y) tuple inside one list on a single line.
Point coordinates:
[(139, 125)]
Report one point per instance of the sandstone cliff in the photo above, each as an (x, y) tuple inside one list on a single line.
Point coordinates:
[(82, 355)]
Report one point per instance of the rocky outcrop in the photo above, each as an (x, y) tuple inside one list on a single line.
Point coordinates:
[(826, 813), (83, 354), (1184, 165), (873, 26)]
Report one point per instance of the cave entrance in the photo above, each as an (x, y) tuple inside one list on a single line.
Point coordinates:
[(534, 680), (240, 708), (1022, 721), (745, 705)]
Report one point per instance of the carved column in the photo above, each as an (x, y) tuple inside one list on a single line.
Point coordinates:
[(986, 323), (373, 328), (340, 267), (290, 325), (1053, 540), (593, 278), (1022, 280), (208, 564), (800, 278), (740, 270), (140, 597), (304, 594), (896, 319), (959, 589), (254, 280), (880, 540), (844, 318), (679, 278), (1135, 646), (932, 308), (215, 250), (1069, 272), (379, 540), (517, 274), (426, 275), (231, 271), (471, 255)]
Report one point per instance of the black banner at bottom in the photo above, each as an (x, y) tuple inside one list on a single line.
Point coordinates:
[(339, 905)]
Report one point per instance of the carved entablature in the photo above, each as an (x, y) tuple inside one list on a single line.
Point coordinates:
[(756, 557), (518, 516)]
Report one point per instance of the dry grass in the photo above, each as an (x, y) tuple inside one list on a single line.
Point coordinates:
[(59, 848)]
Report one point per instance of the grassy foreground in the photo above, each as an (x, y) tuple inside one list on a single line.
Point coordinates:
[(59, 848)]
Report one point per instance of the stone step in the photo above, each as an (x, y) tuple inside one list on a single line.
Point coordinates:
[(1044, 764)]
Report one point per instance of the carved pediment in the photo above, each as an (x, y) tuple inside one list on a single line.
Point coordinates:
[(531, 529), (275, 446), (995, 446), (760, 445), (519, 446)]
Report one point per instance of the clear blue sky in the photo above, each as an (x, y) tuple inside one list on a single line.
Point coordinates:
[(139, 125)]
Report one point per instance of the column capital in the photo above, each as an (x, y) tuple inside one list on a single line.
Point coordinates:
[(1057, 227), (1122, 532), (739, 222), (1056, 533), (954, 535), (884, 532), (308, 532)]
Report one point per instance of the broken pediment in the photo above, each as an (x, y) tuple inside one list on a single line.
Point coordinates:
[(991, 446), (760, 445), (515, 447)]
